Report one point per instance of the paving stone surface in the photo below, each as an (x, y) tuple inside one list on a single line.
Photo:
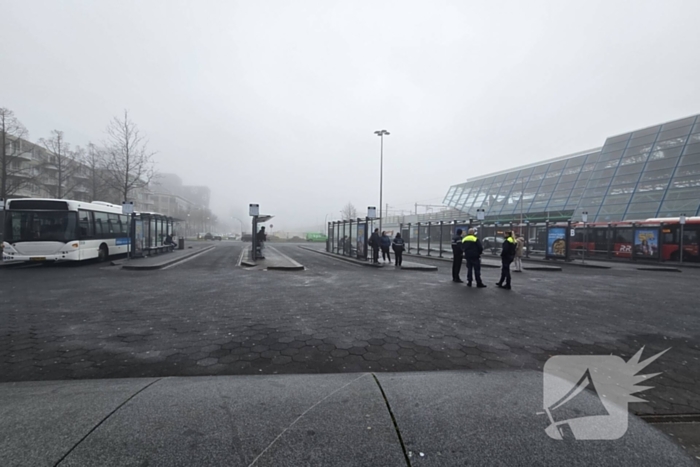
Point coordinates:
[(208, 317)]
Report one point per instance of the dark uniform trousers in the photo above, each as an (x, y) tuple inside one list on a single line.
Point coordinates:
[(457, 257), (505, 270), (474, 264)]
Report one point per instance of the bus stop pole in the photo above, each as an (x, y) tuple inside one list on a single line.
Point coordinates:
[(680, 253)]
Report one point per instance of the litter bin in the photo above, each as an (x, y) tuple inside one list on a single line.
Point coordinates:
[(181, 243)]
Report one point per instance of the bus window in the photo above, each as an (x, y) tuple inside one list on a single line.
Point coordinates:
[(114, 225), (87, 227), (101, 225), (125, 225)]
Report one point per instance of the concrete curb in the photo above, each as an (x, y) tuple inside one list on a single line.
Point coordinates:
[(370, 265), (659, 269), (136, 267)]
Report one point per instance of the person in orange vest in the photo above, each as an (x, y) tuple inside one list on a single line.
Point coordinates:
[(507, 257)]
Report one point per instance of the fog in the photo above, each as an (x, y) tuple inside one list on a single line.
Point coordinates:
[(276, 103)]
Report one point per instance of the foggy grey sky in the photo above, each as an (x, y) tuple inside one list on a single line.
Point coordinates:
[(276, 102)]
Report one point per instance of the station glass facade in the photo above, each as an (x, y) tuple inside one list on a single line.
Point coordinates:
[(652, 172)]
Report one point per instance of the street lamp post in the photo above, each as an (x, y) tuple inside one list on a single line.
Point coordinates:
[(381, 134)]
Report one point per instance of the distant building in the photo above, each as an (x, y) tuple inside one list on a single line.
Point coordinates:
[(647, 173)]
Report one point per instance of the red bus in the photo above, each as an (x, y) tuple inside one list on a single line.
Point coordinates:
[(657, 238)]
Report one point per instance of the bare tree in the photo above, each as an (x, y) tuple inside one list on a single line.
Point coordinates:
[(93, 163), (348, 212), (62, 165), (15, 173), (128, 163)]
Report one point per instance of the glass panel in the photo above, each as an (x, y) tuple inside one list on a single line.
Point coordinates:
[(612, 163), (694, 138), (576, 161), (526, 172), (565, 186), (594, 192), (660, 164), (685, 193), (692, 148), (642, 207), (512, 175), (607, 173), (675, 133), (603, 182), (549, 181), (592, 157), (609, 156), (665, 154), (688, 170), (619, 189), (614, 146), (623, 179), (500, 178), (652, 186), (646, 131), (630, 169), (663, 174), (590, 202), (618, 199), (678, 123), (669, 143), (696, 128), (568, 178), (553, 173), (558, 165), (648, 196), (540, 169), (680, 206), (685, 182), (588, 167), (642, 141), (41, 226), (581, 183), (611, 210)]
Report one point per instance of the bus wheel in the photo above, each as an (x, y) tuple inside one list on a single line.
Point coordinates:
[(103, 253)]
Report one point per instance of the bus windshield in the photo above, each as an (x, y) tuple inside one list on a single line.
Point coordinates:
[(40, 226)]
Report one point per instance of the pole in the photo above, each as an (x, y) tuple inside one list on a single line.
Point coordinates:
[(381, 177), (680, 253)]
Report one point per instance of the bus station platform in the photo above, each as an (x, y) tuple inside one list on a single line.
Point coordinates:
[(162, 260), (274, 260), (406, 265), (445, 418)]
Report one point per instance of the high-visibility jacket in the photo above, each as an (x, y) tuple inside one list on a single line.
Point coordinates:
[(508, 248), (472, 247)]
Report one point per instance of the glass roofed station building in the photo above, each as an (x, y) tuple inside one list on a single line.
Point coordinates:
[(648, 173)]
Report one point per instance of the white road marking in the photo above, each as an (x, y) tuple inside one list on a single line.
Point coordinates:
[(186, 260)]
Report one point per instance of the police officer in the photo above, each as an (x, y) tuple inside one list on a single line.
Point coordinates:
[(457, 255), (507, 257), (472, 248)]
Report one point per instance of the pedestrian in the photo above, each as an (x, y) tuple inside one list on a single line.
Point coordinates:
[(457, 255), (519, 246), (169, 241), (472, 248), (385, 243), (261, 238), (374, 243), (507, 257), (398, 246)]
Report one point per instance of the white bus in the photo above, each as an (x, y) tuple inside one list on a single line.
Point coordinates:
[(39, 229)]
